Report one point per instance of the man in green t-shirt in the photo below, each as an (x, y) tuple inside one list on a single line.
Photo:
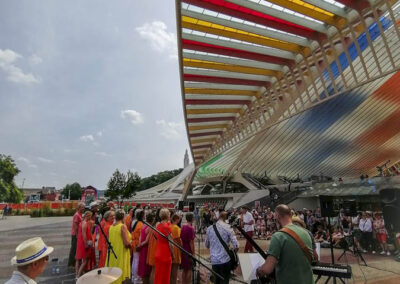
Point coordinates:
[(285, 254)]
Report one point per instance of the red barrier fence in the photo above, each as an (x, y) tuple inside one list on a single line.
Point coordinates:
[(72, 204)]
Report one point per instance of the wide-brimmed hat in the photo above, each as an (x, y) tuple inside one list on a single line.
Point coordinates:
[(299, 221), (29, 251), (93, 204)]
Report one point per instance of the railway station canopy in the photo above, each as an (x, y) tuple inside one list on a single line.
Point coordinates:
[(290, 87)]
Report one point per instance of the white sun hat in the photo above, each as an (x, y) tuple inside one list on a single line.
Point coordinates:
[(93, 204), (29, 251)]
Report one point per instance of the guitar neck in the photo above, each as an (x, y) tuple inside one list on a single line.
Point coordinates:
[(251, 241)]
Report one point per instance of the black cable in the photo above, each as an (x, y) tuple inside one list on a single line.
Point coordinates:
[(390, 271)]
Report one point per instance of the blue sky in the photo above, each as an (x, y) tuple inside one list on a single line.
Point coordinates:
[(87, 87)]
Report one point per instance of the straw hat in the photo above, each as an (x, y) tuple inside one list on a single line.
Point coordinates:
[(30, 250), (299, 221)]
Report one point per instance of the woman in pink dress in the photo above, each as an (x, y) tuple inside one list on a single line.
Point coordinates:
[(144, 269), (187, 237)]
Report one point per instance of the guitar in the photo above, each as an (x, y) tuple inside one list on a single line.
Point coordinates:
[(270, 279)]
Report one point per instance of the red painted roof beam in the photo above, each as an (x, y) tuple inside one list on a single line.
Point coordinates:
[(221, 80), (247, 14), (357, 5), (202, 146), (210, 48)]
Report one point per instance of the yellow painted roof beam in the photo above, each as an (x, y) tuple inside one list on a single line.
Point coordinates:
[(202, 127), (194, 141), (207, 27), (311, 11), (199, 151), (213, 110), (220, 92), (231, 68)]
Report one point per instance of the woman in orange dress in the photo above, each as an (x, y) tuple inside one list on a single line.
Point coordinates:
[(164, 250), (102, 244), (176, 236), (153, 246)]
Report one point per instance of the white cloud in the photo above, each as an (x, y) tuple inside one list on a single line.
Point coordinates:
[(35, 59), (87, 138), (103, 154), (27, 162), (8, 56), (171, 130), (160, 39), (14, 73), (133, 116), (69, 162), (44, 160), (99, 133)]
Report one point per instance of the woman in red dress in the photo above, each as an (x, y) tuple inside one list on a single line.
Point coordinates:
[(164, 250), (84, 243), (91, 264)]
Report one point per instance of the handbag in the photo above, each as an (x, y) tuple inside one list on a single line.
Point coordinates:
[(234, 262)]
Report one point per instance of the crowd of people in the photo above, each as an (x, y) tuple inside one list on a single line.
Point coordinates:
[(141, 253), (366, 230), (145, 256)]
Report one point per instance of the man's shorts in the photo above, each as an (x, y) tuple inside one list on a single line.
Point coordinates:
[(381, 238)]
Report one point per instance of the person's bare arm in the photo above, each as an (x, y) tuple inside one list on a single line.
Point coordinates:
[(171, 246), (75, 227), (84, 225), (268, 267), (125, 237), (192, 246), (146, 241)]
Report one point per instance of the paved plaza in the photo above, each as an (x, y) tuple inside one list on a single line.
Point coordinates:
[(56, 232)]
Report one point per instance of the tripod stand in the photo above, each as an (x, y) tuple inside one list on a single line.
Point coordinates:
[(356, 252), (194, 259), (109, 246)]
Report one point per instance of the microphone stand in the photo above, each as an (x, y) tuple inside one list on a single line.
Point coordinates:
[(109, 246), (194, 259)]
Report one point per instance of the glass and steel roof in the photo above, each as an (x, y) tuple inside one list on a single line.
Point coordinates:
[(290, 87)]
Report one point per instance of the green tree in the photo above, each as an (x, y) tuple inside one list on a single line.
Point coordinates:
[(9, 192), (74, 191), (116, 186), (133, 182), (156, 179)]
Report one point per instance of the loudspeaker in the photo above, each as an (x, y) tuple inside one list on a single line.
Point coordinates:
[(350, 207), (326, 203), (390, 198), (191, 206), (181, 204)]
